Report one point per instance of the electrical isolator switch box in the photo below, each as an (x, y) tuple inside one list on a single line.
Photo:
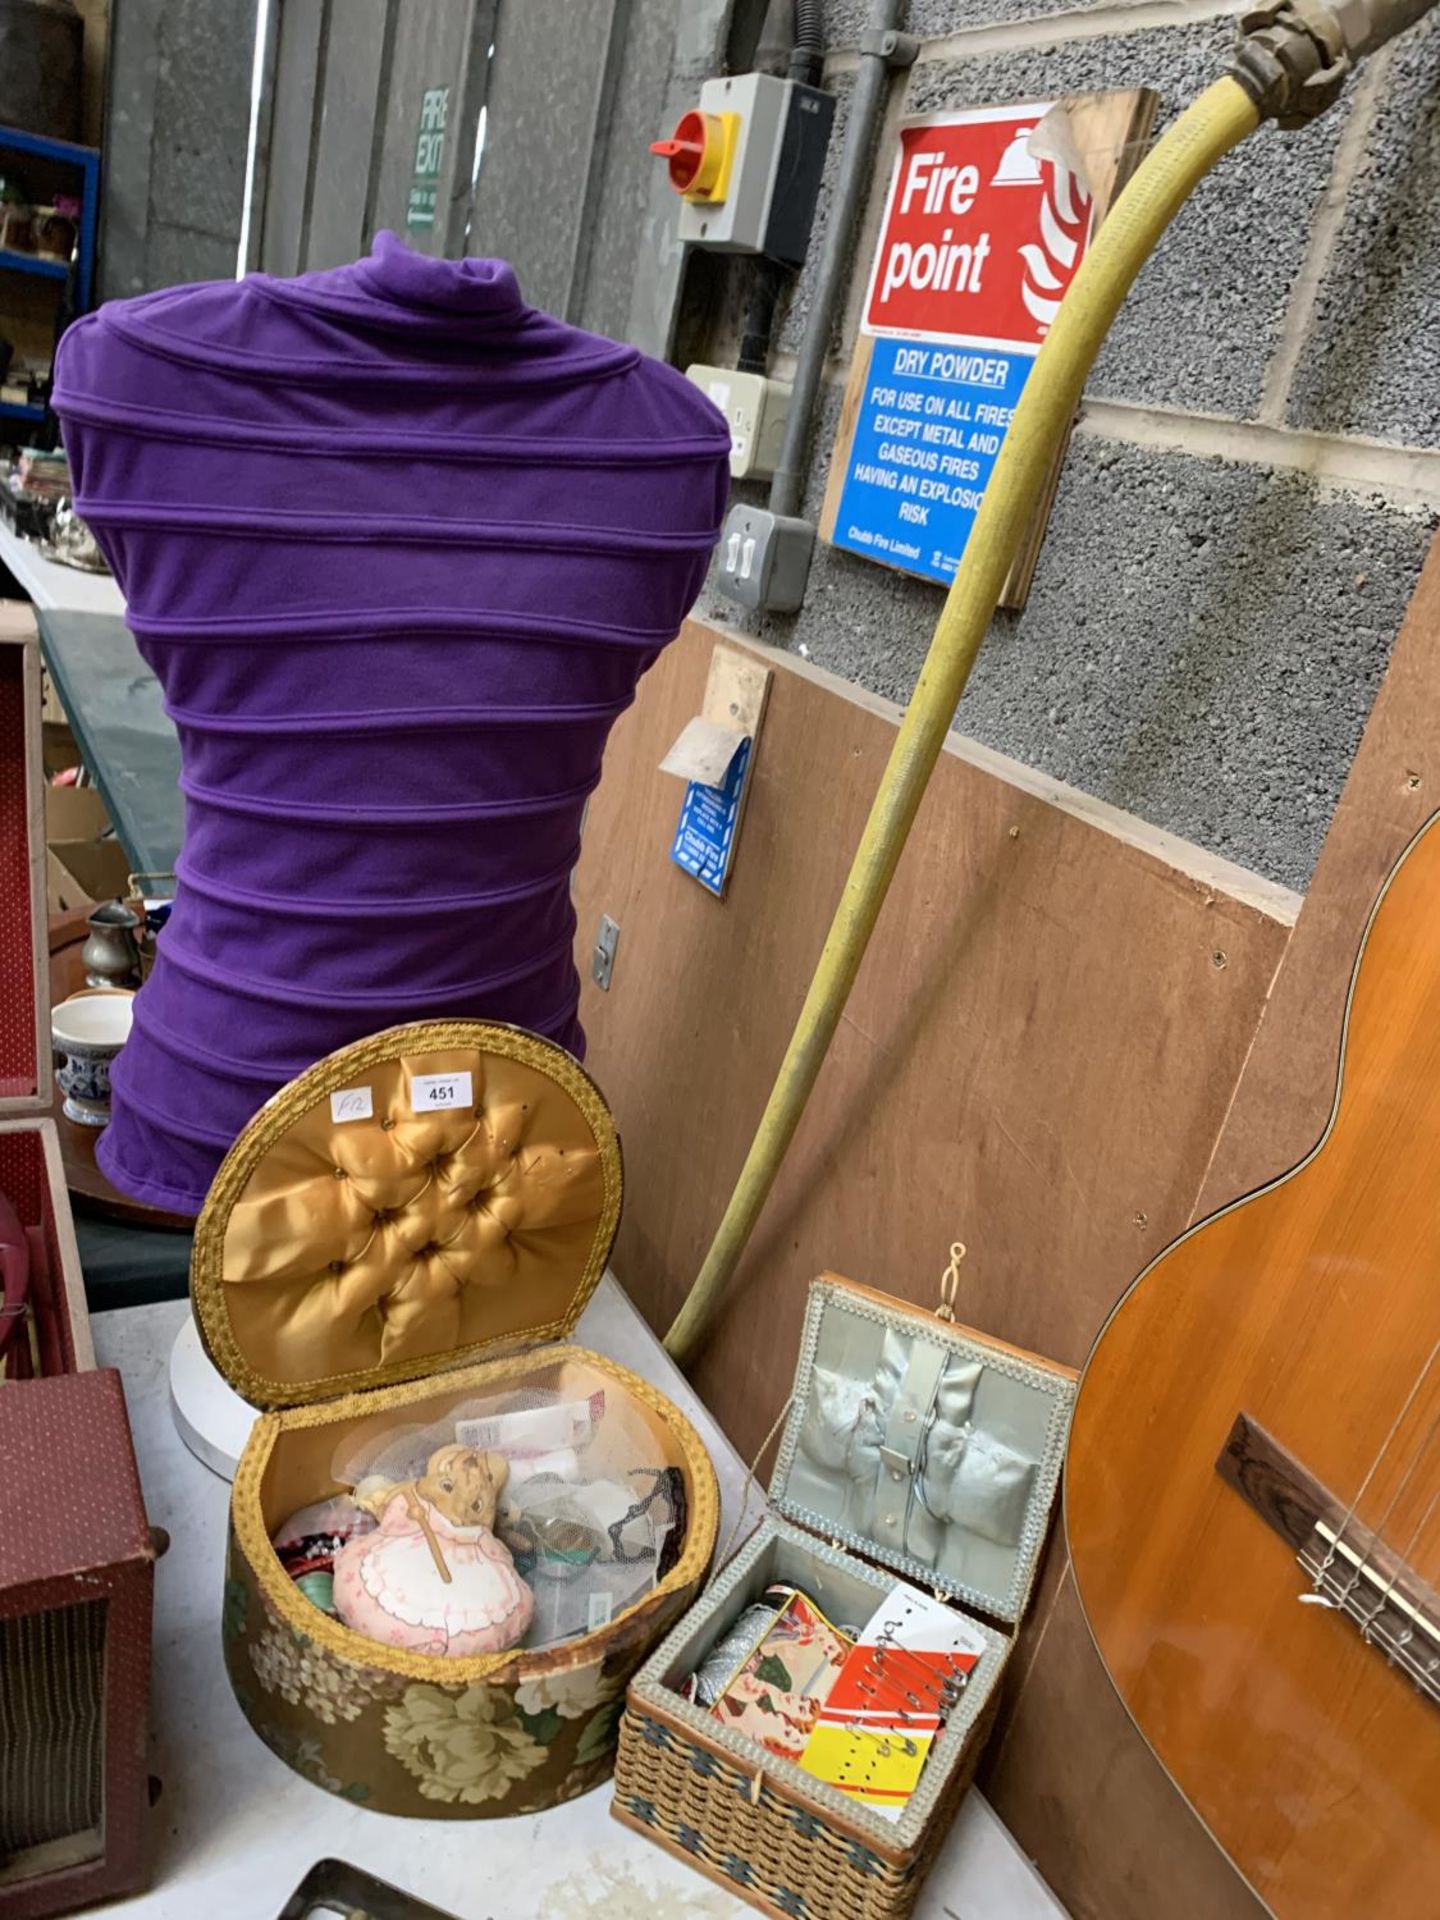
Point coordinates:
[(757, 409), (765, 559), (747, 163)]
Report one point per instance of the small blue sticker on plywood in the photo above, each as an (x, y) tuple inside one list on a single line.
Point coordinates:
[(705, 836)]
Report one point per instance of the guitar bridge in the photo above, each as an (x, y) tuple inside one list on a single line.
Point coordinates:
[(1350, 1569)]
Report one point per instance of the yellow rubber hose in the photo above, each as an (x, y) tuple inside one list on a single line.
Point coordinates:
[(1201, 137)]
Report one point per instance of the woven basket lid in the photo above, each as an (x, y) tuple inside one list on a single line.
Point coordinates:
[(428, 1196)]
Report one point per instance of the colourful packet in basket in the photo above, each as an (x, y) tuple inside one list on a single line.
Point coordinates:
[(883, 1711), (775, 1697)]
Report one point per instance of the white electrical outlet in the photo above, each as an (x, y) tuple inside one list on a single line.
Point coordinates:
[(757, 409)]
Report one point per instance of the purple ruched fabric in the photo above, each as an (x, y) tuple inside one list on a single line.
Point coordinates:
[(398, 548)]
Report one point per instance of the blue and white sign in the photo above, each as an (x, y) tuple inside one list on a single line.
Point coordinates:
[(926, 436), (705, 836)]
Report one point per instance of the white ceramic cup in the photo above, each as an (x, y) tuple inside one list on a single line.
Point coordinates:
[(88, 1030)]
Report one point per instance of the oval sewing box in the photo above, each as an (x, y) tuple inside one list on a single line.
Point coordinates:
[(363, 1262)]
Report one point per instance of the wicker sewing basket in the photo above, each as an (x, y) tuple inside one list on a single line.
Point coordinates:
[(362, 1258), (775, 1836)]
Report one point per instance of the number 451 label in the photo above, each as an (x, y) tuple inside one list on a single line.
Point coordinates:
[(441, 1092)]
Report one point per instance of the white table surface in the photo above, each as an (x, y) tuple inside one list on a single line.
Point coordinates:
[(235, 1831), (51, 585)]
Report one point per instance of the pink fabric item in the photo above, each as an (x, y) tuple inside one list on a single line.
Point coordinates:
[(388, 1586)]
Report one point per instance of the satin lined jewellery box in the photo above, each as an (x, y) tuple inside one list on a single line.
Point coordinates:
[(77, 1570), (391, 1259), (914, 1447)]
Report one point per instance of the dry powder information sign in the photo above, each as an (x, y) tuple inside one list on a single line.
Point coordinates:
[(981, 236)]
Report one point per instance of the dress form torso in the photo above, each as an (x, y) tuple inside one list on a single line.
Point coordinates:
[(398, 549)]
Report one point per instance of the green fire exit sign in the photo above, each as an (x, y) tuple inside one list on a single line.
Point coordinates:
[(429, 158)]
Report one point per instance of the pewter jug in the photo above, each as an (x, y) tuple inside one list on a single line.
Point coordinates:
[(110, 954)]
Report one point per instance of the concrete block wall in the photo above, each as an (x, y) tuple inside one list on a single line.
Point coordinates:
[(176, 129), (1256, 471)]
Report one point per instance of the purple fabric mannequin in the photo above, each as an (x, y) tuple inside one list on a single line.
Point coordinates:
[(398, 549)]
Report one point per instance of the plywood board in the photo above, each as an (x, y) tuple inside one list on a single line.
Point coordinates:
[(1109, 133), (1036, 1059), (1284, 1099)]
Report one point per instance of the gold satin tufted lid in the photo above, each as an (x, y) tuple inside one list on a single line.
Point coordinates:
[(384, 1217)]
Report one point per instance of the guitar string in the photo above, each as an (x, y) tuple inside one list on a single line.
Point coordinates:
[(1401, 1562), (1364, 1487), (1377, 1533), (1423, 1677), (1427, 1677)]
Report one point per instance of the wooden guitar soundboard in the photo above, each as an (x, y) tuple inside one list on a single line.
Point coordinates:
[(1253, 1481)]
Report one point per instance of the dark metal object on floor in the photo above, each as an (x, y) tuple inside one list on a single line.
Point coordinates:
[(332, 1890)]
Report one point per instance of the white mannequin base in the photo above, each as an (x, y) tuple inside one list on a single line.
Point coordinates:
[(210, 1416)]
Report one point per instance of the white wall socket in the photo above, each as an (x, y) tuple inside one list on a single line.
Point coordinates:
[(757, 409)]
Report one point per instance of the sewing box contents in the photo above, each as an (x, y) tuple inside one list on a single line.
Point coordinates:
[(806, 1733), (519, 1518), (858, 1707), (452, 1539)]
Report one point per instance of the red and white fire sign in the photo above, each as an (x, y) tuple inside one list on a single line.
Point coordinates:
[(981, 236)]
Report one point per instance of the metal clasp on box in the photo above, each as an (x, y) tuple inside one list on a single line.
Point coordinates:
[(899, 1464)]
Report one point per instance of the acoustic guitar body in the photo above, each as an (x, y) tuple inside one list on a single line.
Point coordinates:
[(1253, 1480)]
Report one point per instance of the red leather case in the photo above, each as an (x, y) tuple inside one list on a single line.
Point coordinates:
[(76, 1581), (25, 1084), (31, 1173), (76, 1561)]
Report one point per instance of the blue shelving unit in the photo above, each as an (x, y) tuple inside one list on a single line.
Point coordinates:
[(29, 263), (81, 167)]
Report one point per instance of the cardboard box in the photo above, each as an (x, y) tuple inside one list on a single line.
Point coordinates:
[(59, 742), (85, 863)]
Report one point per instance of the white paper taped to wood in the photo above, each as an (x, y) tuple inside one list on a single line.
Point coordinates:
[(1054, 139), (703, 752)]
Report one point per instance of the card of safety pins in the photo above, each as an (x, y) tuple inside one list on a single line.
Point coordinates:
[(909, 1653), (882, 1770), (890, 1699)]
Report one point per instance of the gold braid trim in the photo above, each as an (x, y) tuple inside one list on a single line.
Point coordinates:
[(507, 1669), (327, 1076)]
